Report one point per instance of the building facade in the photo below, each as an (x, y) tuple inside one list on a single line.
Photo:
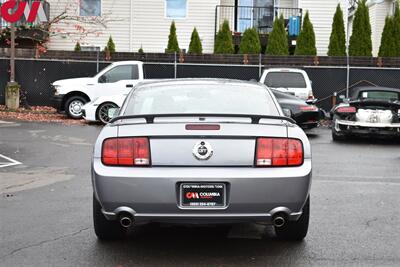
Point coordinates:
[(145, 23)]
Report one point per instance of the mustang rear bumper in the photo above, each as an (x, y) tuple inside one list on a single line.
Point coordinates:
[(152, 194)]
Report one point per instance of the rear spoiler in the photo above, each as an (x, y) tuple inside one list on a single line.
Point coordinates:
[(255, 119)]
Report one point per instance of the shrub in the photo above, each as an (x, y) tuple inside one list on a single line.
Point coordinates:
[(388, 40), (141, 50), (278, 40), (223, 42), (360, 40), (173, 45), (306, 41), (250, 43), (337, 42), (77, 47), (396, 29), (110, 45), (195, 46)]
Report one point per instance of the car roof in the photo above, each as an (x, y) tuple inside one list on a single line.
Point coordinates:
[(131, 62), (200, 81), (356, 91), (284, 69)]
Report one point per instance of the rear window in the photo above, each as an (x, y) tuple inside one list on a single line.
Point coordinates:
[(382, 95), (203, 99), (285, 80)]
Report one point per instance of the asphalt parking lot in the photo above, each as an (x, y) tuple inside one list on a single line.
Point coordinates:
[(45, 207)]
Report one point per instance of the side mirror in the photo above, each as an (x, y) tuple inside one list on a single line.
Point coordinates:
[(113, 112), (287, 112), (102, 79)]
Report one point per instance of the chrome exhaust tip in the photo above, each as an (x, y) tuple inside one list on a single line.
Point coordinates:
[(279, 221), (125, 221)]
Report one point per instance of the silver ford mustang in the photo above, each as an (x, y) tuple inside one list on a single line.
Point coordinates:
[(201, 151)]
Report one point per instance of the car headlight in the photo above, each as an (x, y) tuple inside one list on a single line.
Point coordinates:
[(56, 89)]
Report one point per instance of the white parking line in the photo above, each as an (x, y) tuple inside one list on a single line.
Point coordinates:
[(10, 162)]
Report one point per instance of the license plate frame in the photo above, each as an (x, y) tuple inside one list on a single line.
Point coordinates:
[(199, 200)]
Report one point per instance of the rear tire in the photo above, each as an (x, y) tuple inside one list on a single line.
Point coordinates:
[(73, 106), (105, 229), (297, 230), (336, 136)]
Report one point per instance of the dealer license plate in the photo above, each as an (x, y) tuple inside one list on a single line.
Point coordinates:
[(199, 195)]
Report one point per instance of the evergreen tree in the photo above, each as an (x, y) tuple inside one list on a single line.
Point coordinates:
[(306, 41), (223, 42), (396, 29), (360, 40), (141, 50), (337, 42), (77, 47), (111, 45), (388, 40), (250, 43), (195, 46), (278, 41), (173, 45)]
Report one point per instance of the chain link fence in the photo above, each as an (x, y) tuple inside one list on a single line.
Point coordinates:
[(36, 75)]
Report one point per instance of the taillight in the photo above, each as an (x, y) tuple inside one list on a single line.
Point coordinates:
[(308, 108), (275, 152), (346, 110), (126, 152), (311, 95)]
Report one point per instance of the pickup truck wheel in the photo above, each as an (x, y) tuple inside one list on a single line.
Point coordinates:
[(105, 229), (102, 112), (295, 230), (73, 107)]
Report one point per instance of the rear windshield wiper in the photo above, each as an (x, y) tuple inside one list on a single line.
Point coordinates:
[(255, 119)]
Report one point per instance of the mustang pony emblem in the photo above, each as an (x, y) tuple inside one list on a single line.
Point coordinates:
[(203, 151)]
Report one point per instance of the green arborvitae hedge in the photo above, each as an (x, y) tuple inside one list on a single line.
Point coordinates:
[(278, 41), (111, 45), (250, 43), (306, 41), (396, 29), (360, 40), (337, 42), (388, 40), (195, 46), (77, 47), (223, 42), (173, 45)]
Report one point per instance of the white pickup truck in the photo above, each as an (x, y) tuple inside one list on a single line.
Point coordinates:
[(118, 78), (292, 81)]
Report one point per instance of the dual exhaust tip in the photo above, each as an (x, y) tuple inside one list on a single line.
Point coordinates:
[(279, 220), (126, 220)]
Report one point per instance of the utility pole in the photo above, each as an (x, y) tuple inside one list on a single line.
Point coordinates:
[(12, 54), (12, 87)]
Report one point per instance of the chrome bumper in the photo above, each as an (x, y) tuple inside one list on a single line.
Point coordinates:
[(368, 124)]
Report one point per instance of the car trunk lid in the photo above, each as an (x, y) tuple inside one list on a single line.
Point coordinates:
[(212, 142)]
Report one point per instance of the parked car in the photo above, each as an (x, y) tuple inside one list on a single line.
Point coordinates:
[(202, 151), (305, 113), (370, 111), (97, 110), (292, 81), (118, 78)]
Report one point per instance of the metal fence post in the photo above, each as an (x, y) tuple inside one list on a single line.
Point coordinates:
[(259, 66), (175, 67), (97, 61)]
